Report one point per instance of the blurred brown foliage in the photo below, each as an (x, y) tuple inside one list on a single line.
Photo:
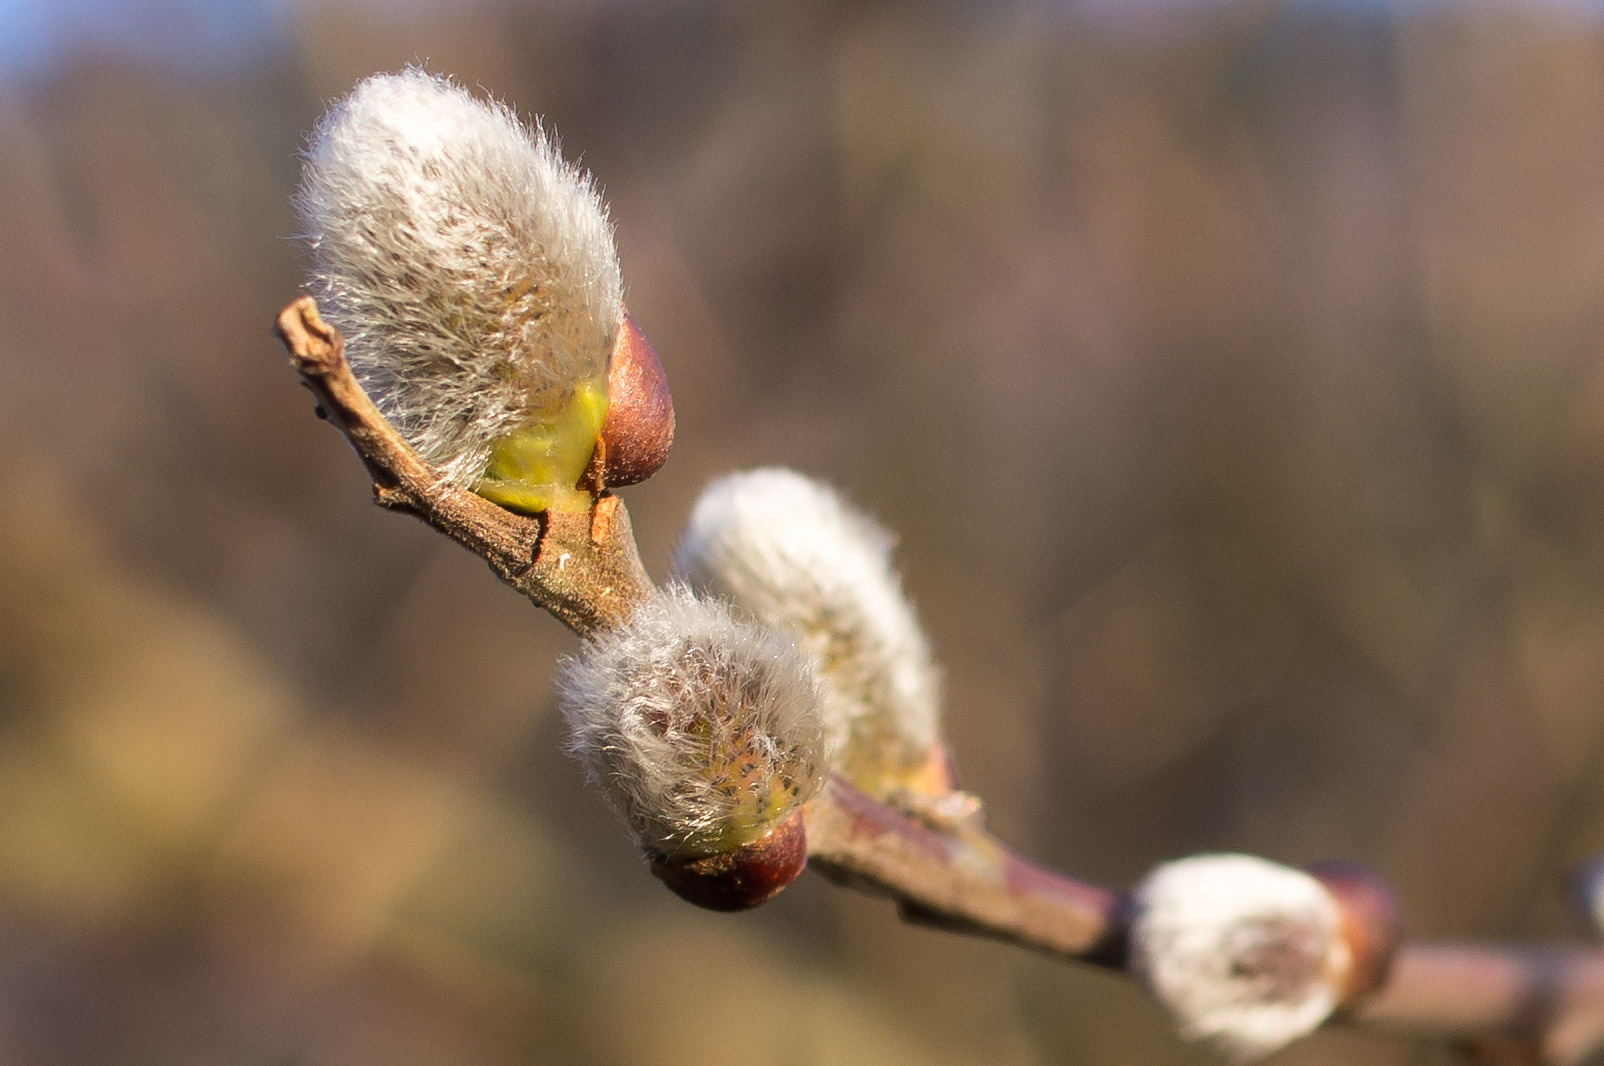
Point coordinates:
[(1233, 376)]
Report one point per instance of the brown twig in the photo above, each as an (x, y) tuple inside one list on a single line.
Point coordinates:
[(1549, 999), (583, 568), (1545, 1005), (961, 879)]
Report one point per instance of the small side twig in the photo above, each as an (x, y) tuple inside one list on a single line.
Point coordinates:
[(1548, 1004)]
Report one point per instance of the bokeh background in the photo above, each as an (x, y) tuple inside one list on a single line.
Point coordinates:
[(1232, 372)]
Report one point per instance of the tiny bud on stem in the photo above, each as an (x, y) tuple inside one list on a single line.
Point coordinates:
[(1372, 924), (741, 879), (639, 428)]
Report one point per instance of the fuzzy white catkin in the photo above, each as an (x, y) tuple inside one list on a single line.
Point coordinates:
[(1244, 953), (470, 269), (790, 551), (702, 730)]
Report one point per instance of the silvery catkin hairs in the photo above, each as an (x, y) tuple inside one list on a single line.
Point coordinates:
[(702, 730), (1244, 953), (471, 270), (791, 552)]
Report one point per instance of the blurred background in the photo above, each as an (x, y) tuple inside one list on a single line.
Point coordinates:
[(1232, 372)]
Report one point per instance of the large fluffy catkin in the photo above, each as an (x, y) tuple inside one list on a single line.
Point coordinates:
[(790, 551), (470, 269), (702, 730)]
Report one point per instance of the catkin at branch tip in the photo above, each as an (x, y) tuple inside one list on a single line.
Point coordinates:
[(702, 729), (471, 270), (1244, 953), (794, 554)]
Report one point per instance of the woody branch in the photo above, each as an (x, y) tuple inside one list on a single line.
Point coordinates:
[(585, 570)]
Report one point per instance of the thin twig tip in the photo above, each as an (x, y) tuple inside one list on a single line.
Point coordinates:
[(313, 344)]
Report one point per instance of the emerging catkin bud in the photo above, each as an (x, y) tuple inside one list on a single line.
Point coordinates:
[(1372, 923), (704, 733), (794, 554), (1244, 953), (639, 429), (473, 275)]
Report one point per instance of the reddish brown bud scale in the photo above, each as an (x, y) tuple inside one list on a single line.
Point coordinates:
[(1371, 923), (639, 428), (741, 879)]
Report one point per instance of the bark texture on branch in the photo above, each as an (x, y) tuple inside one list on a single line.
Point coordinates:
[(961, 879)]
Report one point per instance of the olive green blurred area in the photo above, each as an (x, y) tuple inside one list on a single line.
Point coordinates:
[(1233, 375)]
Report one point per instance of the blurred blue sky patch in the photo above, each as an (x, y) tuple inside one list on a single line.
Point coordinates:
[(202, 34), (36, 34)]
